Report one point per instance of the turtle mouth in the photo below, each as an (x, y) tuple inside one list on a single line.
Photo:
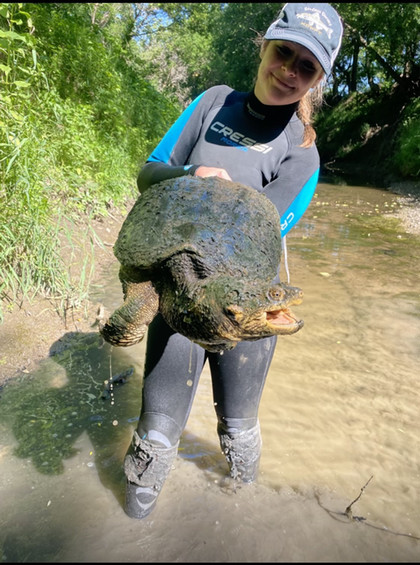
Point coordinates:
[(283, 317), (275, 320)]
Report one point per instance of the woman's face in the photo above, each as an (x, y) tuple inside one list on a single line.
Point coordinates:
[(286, 72)]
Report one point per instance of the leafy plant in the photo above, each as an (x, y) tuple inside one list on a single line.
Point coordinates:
[(76, 120)]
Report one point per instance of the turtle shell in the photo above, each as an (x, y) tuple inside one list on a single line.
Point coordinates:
[(234, 228)]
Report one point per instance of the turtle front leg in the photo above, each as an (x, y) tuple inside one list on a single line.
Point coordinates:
[(128, 324)]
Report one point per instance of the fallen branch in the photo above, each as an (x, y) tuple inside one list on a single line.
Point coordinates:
[(348, 511)]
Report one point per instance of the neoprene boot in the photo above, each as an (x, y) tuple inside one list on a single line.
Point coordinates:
[(146, 467), (242, 450)]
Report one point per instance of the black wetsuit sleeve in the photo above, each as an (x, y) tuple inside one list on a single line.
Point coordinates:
[(295, 185), (218, 129), (154, 171), (170, 158)]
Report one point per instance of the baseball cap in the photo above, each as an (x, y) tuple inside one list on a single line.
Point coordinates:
[(317, 27)]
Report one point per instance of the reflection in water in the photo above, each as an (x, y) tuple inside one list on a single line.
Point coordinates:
[(340, 407), (66, 397)]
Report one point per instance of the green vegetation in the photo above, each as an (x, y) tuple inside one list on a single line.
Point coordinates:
[(407, 153), (370, 124), (76, 120), (375, 139), (88, 89)]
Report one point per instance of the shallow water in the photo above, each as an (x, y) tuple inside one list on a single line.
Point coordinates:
[(339, 417)]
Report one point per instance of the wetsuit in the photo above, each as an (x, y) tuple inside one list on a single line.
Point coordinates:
[(258, 146)]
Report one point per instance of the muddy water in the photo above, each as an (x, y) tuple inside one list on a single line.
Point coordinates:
[(339, 417)]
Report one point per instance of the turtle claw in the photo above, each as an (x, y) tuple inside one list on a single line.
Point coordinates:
[(128, 324), (120, 335)]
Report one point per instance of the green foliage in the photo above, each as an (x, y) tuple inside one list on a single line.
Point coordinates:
[(380, 47), (349, 121), (407, 154), (373, 136), (235, 40), (178, 56), (77, 118)]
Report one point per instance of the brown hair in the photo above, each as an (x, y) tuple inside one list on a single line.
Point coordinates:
[(307, 105)]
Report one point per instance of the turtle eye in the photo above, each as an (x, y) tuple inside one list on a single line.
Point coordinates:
[(276, 294)]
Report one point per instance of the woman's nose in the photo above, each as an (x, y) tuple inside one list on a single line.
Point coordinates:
[(290, 65)]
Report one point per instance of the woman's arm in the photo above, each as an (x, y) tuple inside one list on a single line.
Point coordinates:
[(156, 171), (171, 156), (294, 187)]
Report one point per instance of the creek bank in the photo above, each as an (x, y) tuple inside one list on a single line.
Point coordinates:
[(31, 327)]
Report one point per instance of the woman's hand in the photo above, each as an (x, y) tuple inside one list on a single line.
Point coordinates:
[(212, 172)]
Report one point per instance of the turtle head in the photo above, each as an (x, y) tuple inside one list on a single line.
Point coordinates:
[(220, 313), (268, 314)]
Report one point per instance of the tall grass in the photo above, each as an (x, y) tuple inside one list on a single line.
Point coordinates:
[(54, 172), (54, 166), (63, 161)]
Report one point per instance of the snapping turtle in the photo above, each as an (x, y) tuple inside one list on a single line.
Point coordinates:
[(203, 252)]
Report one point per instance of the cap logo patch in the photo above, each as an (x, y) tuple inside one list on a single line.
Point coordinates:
[(314, 22)]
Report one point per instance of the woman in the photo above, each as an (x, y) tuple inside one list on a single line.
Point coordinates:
[(263, 139)]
